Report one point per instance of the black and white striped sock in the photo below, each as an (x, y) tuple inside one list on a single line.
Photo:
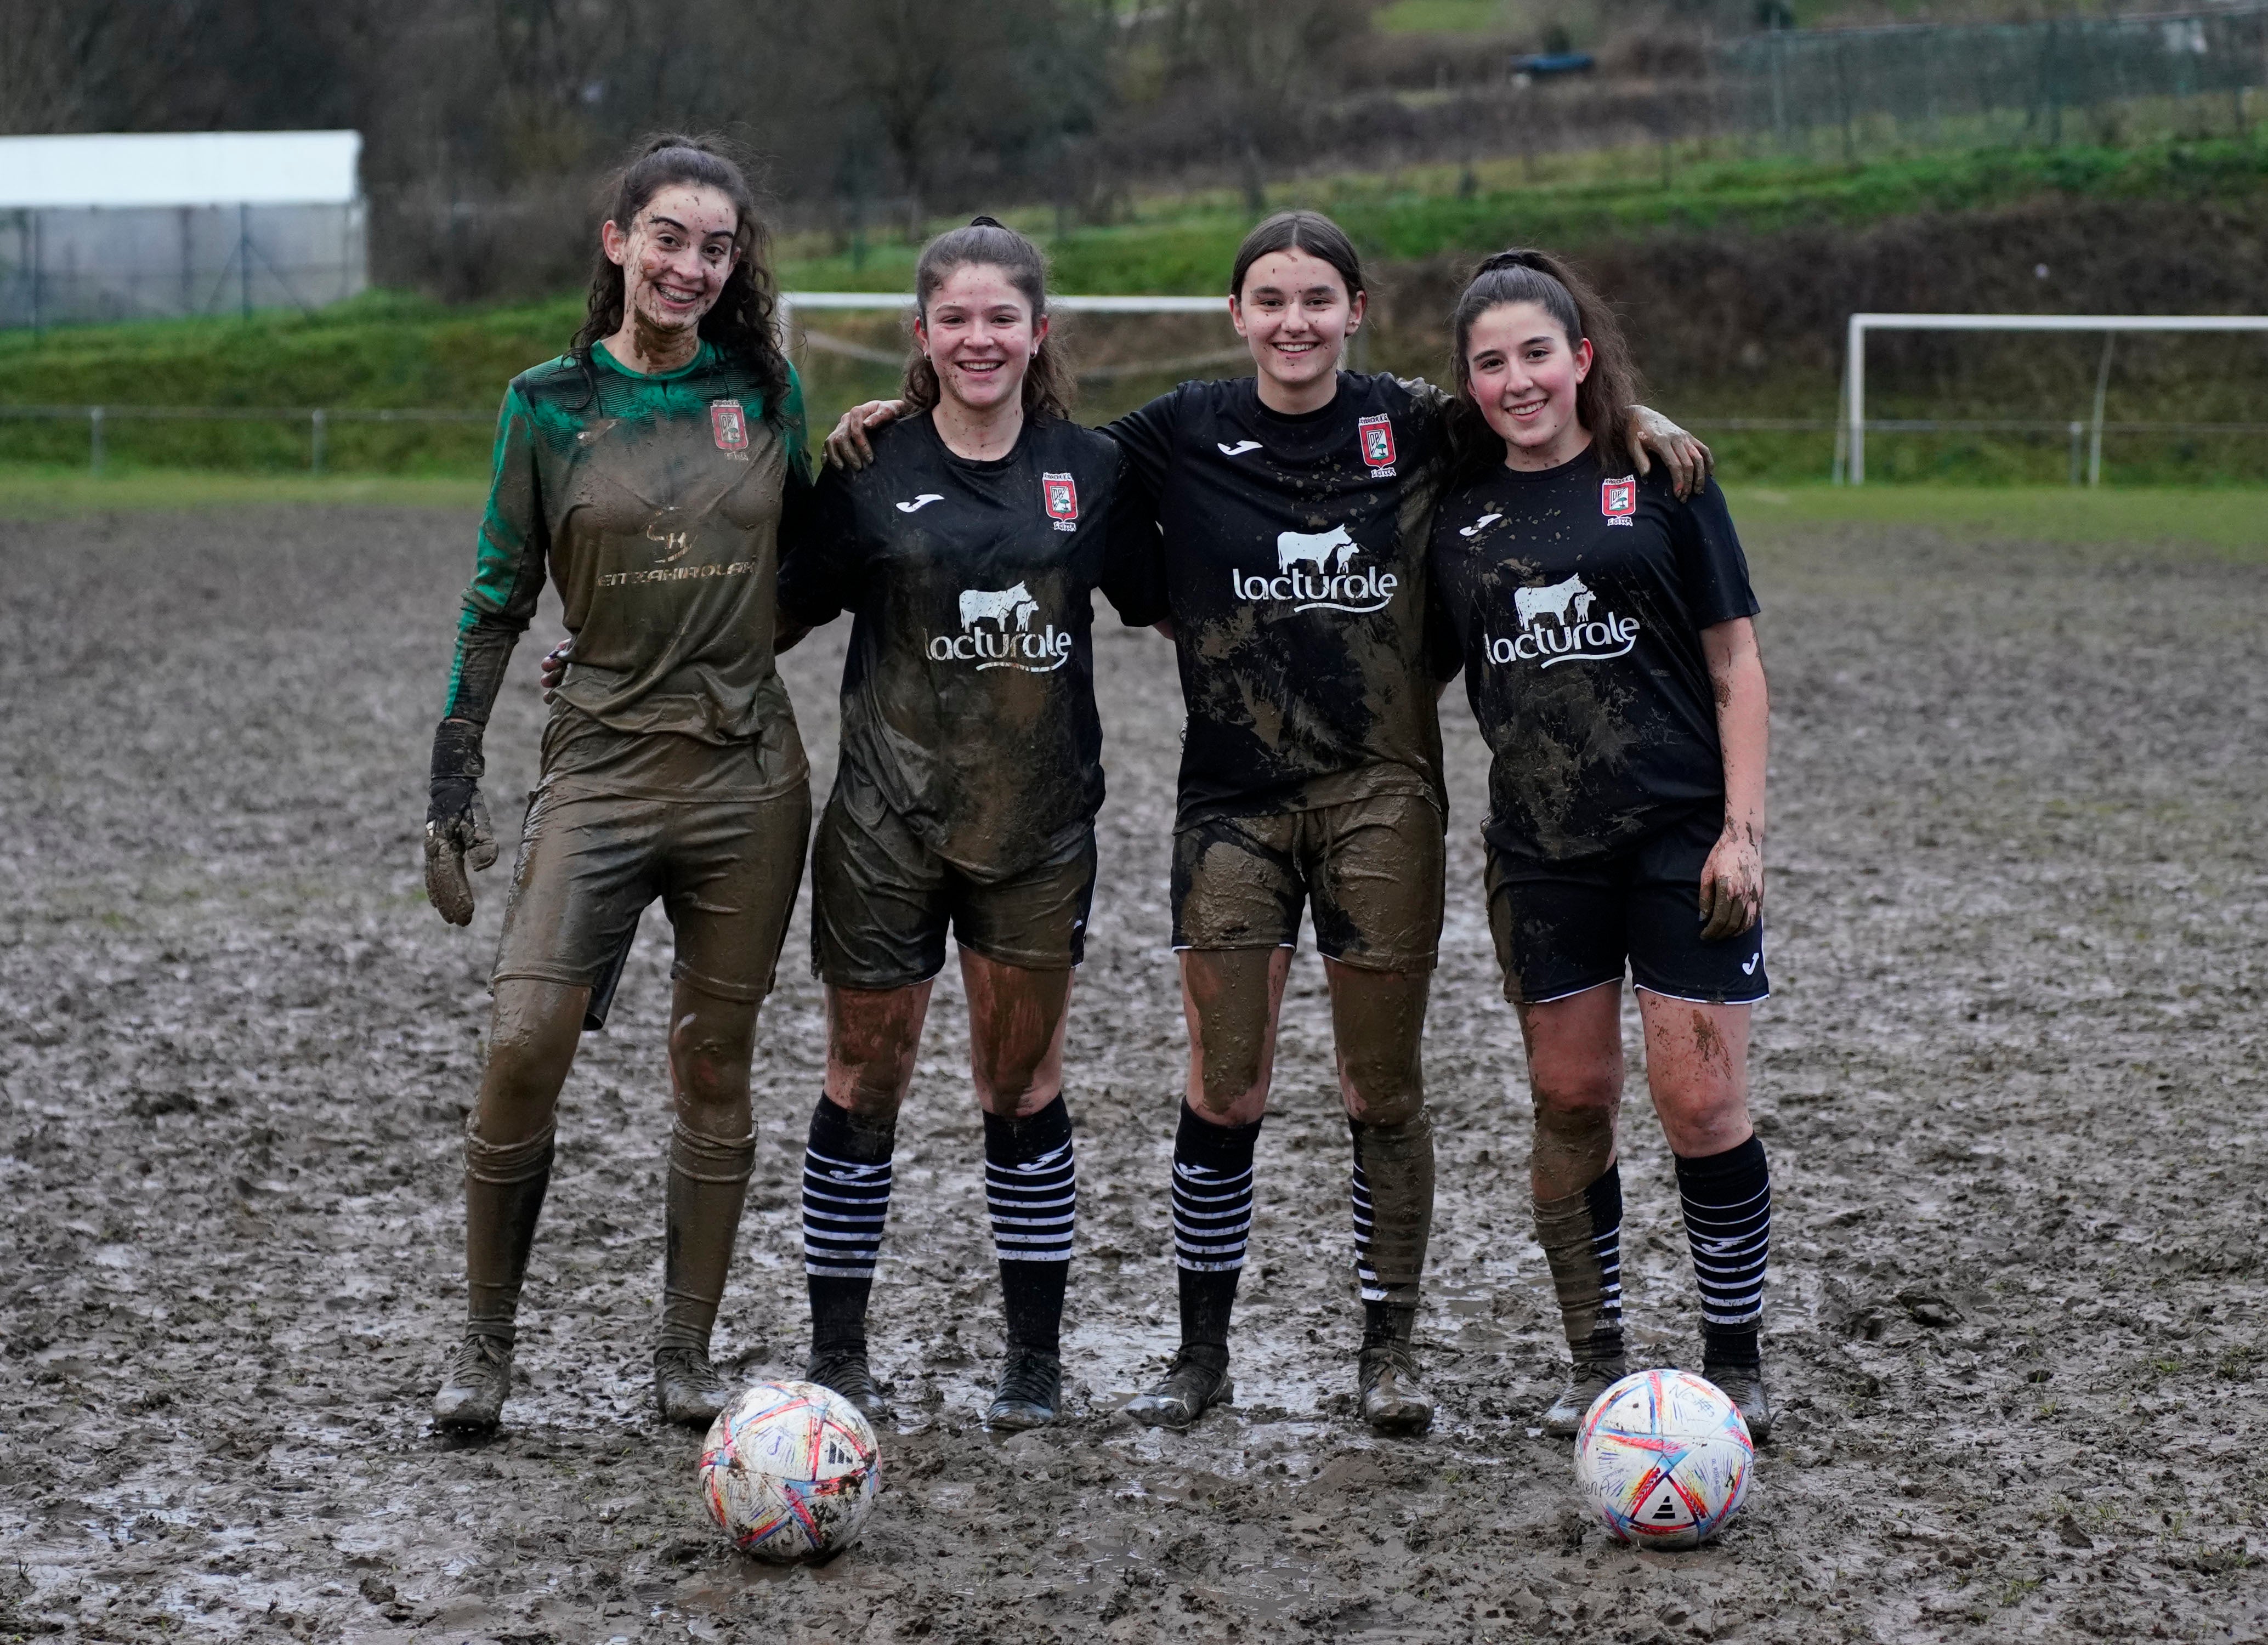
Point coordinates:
[(1031, 1187), (1727, 1200), (1212, 1221), (846, 1205)]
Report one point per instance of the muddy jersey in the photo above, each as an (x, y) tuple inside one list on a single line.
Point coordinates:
[(655, 505), (1573, 599), (1292, 564), (968, 692)]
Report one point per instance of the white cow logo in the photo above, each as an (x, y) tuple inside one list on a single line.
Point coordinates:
[(996, 632), (1316, 548), (1532, 603), (976, 606)]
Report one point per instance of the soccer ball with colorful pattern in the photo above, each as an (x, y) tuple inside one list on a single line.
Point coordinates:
[(1665, 1458), (789, 1470)]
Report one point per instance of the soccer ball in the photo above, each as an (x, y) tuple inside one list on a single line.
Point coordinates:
[(1665, 1457), (789, 1470)]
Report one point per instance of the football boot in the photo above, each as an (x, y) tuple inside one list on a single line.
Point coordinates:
[(1591, 1378), (687, 1388), (1030, 1391), (473, 1389), (1195, 1382), (1744, 1386), (1392, 1400), (844, 1370)]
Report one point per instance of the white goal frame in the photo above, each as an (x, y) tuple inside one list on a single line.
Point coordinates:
[(1854, 367)]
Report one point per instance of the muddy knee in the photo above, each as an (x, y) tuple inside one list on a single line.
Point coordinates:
[(1379, 1021), (532, 1034), (711, 1042)]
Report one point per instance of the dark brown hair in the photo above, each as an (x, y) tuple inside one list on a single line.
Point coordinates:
[(1602, 399), (1310, 231), (742, 323), (1050, 387)]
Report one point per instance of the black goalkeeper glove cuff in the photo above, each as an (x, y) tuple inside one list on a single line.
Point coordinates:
[(457, 770)]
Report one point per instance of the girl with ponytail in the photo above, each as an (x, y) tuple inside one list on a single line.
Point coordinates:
[(969, 552), (1603, 625)]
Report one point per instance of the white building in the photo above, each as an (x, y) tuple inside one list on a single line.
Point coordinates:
[(127, 225)]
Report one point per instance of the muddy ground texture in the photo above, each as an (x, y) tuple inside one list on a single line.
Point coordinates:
[(2012, 1084)]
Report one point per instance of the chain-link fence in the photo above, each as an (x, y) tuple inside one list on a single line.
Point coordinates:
[(2063, 79)]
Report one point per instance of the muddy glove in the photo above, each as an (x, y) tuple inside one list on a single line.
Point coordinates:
[(457, 831)]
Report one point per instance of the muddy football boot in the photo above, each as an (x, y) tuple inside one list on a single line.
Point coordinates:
[(1592, 1378), (687, 1387), (1197, 1381), (473, 1387), (844, 1370), (1392, 1401), (1745, 1385), (1030, 1393)]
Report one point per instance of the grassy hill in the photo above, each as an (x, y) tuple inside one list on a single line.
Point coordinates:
[(388, 350)]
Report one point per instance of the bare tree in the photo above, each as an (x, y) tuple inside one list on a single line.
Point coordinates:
[(1268, 58)]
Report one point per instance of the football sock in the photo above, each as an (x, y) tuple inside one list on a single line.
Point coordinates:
[(1212, 1221), (1392, 1195), (1581, 1235), (503, 1196), (708, 1185), (1031, 1187), (846, 1202), (1727, 1198)]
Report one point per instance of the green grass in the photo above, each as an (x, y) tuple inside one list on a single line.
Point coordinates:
[(1442, 17), (388, 349), (40, 491), (2228, 520)]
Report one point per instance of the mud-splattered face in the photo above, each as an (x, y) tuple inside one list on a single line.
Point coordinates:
[(674, 256), (1296, 314), (980, 334), (1524, 372)]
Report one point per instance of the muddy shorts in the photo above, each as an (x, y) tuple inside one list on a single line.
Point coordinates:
[(726, 871), (1563, 927), (1369, 869), (882, 901)]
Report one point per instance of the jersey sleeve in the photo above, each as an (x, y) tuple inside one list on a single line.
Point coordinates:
[(1133, 563), (507, 569), (820, 559), (1715, 569), (1145, 436)]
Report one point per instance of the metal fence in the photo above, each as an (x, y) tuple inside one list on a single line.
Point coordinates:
[(1990, 82), (83, 264)]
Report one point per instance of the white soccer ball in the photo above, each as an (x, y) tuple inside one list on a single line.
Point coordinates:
[(1665, 1457), (790, 1470)]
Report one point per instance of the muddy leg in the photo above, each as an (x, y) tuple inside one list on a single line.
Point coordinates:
[(1697, 1066), (1016, 1019), (1378, 1019), (1575, 1074), (873, 1037), (531, 1042)]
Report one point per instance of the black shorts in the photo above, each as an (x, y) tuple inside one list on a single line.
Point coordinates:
[(1563, 927), (1371, 869), (882, 901)]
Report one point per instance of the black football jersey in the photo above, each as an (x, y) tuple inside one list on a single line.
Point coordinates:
[(968, 691), (1291, 558)]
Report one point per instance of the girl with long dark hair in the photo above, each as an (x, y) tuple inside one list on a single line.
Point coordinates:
[(1290, 577), (969, 551), (1603, 626), (650, 474)]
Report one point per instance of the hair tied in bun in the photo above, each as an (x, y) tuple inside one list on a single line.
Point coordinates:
[(981, 221)]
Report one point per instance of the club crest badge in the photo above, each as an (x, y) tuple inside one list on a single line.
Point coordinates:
[(1618, 500), (1376, 436), (729, 424), (1061, 493)]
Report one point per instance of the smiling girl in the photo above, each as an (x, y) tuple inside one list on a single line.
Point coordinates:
[(1603, 626), (650, 474), (969, 551)]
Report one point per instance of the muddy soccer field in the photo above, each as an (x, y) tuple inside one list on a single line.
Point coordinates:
[(2012, 1084)]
